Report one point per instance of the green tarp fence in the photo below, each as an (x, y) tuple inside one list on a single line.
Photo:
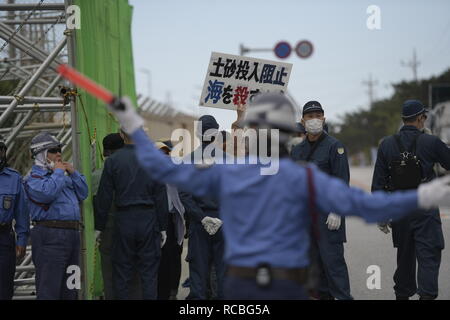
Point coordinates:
[(103, 51)]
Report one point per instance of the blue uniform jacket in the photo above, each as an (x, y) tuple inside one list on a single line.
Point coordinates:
[(265, 217), (61, 194), (124, 183), (13, 204), (430, 150), (204, 206), (331, 157)]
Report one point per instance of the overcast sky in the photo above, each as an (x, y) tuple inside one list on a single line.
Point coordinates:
[(174, 40)]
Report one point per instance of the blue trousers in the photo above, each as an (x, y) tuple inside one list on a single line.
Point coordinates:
[(136, 247), (247, 289), (204, 251), (7, 263), (53, 251), (334, 280), (418, 237)]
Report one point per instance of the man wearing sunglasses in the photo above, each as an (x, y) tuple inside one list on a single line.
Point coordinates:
[(404, 161), (54, 189)]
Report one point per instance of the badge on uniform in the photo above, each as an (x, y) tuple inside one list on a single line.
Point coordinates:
[(340, 150), (7, 202)]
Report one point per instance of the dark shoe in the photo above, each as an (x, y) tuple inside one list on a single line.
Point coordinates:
[(401, 298), (427, 297), (325, 296)]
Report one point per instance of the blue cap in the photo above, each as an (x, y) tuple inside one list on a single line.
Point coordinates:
[(312, 106), (412, 108)]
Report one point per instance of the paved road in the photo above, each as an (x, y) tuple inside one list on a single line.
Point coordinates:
[(368, 246)]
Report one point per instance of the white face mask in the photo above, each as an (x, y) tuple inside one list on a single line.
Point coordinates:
[(50, 164), (314, 126)]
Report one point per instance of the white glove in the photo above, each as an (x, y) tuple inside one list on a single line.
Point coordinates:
[(163, 238), (129, 119), (211, 225), (97, 235), (333, 221), (434, 193), (384, 227)]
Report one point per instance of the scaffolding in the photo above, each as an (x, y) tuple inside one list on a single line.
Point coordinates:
[(30, 55)]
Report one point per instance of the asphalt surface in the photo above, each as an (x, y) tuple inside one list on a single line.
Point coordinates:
[(367, 246)]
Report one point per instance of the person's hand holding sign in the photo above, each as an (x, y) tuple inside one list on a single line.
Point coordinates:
[(240, 109)]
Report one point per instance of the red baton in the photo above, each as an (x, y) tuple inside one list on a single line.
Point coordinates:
[(90, 86)]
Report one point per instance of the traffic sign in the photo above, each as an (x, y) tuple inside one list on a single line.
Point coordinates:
[(304, 49), (282, 50)]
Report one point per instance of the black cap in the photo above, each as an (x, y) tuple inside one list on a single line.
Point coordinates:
[(312, 106), (112, 141), (412, 108), (208, 122)]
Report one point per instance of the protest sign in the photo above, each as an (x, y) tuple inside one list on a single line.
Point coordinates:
[(233, 80)]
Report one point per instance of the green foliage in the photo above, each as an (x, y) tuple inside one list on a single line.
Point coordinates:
[(362, 129)]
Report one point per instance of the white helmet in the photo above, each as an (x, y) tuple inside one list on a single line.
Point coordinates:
[(43, 141), (272, 111)]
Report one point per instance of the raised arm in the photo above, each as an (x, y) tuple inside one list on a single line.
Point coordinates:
[(337, 197), (188, 177)]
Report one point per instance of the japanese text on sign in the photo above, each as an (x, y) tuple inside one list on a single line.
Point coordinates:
[(233, 80)]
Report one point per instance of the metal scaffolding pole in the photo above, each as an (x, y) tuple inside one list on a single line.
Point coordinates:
[(71, 45), (25, 45), (37, 108), (34, 21), (28, 116), (30, 99), (25, 78), (33, 79), (37, 127), (6, 60), (28, 73), (31, 6)]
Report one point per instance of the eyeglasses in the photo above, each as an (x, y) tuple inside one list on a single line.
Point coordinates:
[(54, 150)]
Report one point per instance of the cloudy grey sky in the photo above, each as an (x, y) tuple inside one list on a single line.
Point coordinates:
[(174, 40)]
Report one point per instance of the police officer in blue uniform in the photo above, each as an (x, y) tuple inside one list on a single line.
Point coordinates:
[(330, 156), (54, 190), (418, 236), (139, 228), (204, 250), (13, 206), (266, 217)]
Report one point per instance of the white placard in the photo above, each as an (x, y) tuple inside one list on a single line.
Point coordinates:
[(231, 80)]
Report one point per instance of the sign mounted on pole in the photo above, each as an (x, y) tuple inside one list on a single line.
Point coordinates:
[(304, 49), (233, 80), (282, 49)]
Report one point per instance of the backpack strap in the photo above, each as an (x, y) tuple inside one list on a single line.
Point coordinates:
[(400, 145), (312, 203)]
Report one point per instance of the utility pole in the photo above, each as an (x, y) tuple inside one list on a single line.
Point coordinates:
[(370, 83), (149, 80), (413, 64)]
